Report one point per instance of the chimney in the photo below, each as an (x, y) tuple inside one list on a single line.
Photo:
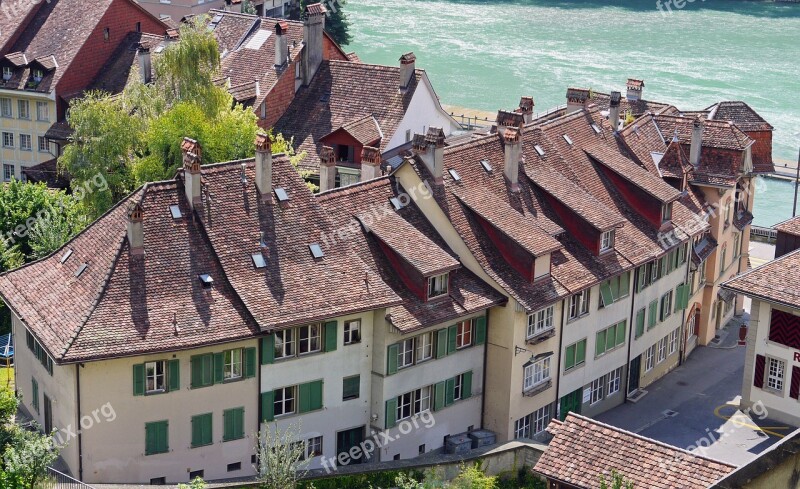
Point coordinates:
[(576, 99), (406, 70), (613, 110), (191, 170), (281, 43), (506, 119), (145, 70), (512, 138), (635, 89), (370, 163), (430, 148), (313, 34), (264, 167), (327, 169), (136, 229), (526, 109), (697, 142)]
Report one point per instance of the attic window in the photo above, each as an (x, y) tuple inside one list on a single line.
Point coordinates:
[(539, 150), (454, 174), (396, 203), (607, 241), (486, 166), (37, 75), (66, 256), (280, 192), (325, 97), (567, 139), (7, 72), (206, 280), (596, 128), (258, 260), (437, 286), (666, 212), (316, 251), (81, 269), (175, 211), (106, 34)]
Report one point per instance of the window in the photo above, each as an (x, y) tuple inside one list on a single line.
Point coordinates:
[(614, 289), (201, 430), (540, 321), (8, 139), (42, 111), (35, 395), (106, 34), (155, 377), (405, 354), (44, 147), (666, 305), (138, 27), (437, 286), (284, 343), (7, 73), (575, 355), (310, 338), (233, 364), (532, 424), (408, 135), (5, 107), (8, 172), (522, 427), (662, 349), (156, 437), (422, 399), (37, 75), (351, 387), (458, 387), (610, 338), (613, 382), (598, 388), (24, 109), (313, 447), (666, 212), (233, 420), (536, 374), (284, 401), (775, 374), (607, 241), (352, 332), (464, 334), (650, 358), (234, 467), (736, 239), (640, 314), (348, 177), (413, 403), (721, 262), (25, 142), (424, 347), (579, 304), (652, 314), (674, 337)]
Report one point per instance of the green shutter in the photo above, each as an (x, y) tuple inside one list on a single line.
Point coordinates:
[(611, 340), (569, 357), (227, 425), (652, 312), (315, 395), (600, 343), (156, 437), (466, 386), (233, 424), (330, 336), (681, 297), (624, 284), (35, 394), (196, 363), (391, 412), (580, 352), (452, 331), (268, 349), (174, 371), (249, 362), (640, 322), (663, 262), (642, 276), (202, 430), (219, 368), (207, 369), (138, 380), (304, 397), (480, 330), (449, 391), (441, 343), (621, 327), (605, 294), (391, 359), (351, 387), (438, 395), (268, 406)]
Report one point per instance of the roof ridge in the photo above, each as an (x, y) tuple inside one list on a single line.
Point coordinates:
[(354, 188)]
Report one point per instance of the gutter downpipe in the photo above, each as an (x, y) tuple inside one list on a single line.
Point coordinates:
[(78, 406), (631, 332), (560, 346)]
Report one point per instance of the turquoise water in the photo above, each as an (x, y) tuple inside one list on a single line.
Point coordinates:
[(485, 54)]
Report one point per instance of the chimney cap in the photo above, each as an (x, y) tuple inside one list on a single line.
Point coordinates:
[(315, 9), (509, 119), (370, 155), (408, 58), (327, 157), (615, 99), (511, 135), (262, 143), (526, 105), (190, 145), (579, 95), (697, 122), (135, 212), (281, 27), (418, 141), (435, 136), (635, 84)]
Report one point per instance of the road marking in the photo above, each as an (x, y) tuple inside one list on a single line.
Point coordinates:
[(741, 424)]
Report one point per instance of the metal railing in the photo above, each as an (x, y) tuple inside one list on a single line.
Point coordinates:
[(470, 122), (59, 480), (762, 232)]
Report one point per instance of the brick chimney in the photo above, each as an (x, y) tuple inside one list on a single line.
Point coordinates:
[(313, 37), (136, 229), (576, 99), (406, 70), (281, 43), (697, 142), (506, 119), (145, 69), (635, 89), (370, 163), (430, 148), (327, 169), (264, 167), (613, 110), (192, 154), (512, 139), (526, 109)]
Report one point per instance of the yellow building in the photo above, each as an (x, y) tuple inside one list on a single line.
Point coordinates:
[(25, 117)]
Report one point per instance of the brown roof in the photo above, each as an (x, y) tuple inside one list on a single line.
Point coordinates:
[(47, 172), (365, 130), (636, 107), (789, 226), (674, 163), (583, 449), (122, 67), (634, 173), (13, 20), (775, 281), (740, 114)]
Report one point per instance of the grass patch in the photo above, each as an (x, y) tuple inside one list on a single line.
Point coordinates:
[(6, 377)]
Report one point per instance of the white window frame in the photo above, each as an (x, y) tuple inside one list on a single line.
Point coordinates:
[(7, 73), (313, 339), (42, 111), (522, 427), (674, 338), (614, 381), (6, 175), (776, 374), (536, 373), (22, 145), (233, 364), (607, 241), (579, 304), (541, 418), (313, 447), (598, 389), (458, 387), (352, 332), (405, 403), (662, 349), (287, 398), (6, 109), (465, 334), (650, 358), (541, 321), (421, 400), (287, 345), (155, 374), (438, 285), (43, 140), (424, 347), (405, 353), (8, 139), (23, 114)]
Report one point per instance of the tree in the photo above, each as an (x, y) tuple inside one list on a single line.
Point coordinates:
[(51, 232), (248, 7), (617, 481), (337, 25), (28, 456), (280, 457)]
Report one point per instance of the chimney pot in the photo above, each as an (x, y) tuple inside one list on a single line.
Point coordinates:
[(407, 70), (327, 169), (191, 170), (430, 148), (697, 142), (370, 163), (136, 229), (635, 88), (145, 69), (576, 99), (264, 167)]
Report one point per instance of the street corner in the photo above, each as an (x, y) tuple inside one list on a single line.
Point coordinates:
[(752, 420)]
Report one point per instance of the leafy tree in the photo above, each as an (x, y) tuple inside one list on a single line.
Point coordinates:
[(337, 25), (280, 457), (248, 7), (27, 457), (618, 481), (197, 483), (51, 232)]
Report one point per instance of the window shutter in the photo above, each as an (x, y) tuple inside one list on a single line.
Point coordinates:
[(441, 343), (605, 294), (29, 338), (219, 367), (580, 352), (452, 331), (268, 406), (466, 386), (794, 388), (480, 330), (624, 284), (237, 423), (268, 349), (652, 314), (600, 343), (438, 396), (315, 393), (611, 339), (758, 376), (642, 275), (207, 369), (391, 359), (330, 336), (249, 362), (227, 425), (640, 322), (621, 327), (196, 366), (174, 371), (304, 395), (664, 261), (35, 394), (351, 387), (449, 391), (201, 430), (138, 380), (569, 355), (391, 412), (149, 439)]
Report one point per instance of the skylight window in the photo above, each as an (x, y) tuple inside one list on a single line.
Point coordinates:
[(206, 279), (175, 211), (316, 251), (596, 128), (454, 174), (280, 192), (539, 150), (66, 256), (258, 260), (567, 139), (396, 203), (486, 165), (81, 269), (258, 39), (325, 97)]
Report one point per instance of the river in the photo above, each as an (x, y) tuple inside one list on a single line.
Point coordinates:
[(486, 54)]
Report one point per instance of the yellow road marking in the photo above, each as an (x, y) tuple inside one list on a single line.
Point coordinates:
[(741, 424)]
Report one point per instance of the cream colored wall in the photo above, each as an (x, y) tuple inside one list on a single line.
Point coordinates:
[(32, 126), (423, 112), (114, 451), (178, 9)]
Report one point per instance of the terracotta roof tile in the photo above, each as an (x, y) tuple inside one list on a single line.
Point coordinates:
[(775, 281), (634, 173), (789, 226), (740, 114), (365, 130)]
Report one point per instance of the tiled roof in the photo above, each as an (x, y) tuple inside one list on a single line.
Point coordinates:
[(636, 107), (583, 449), (789, 226), (365, 130), (59, 131), (634, 173), (342, 92), (47, 173), (13, 19), (740, 114), (703, 249), (674, 163), (716, 134), (776, 281), (467, 293), (123, 66)]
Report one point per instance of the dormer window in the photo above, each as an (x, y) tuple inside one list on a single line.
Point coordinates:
[(666, 212), (607, 241), (7, 72), (37, 75), (437, 286)]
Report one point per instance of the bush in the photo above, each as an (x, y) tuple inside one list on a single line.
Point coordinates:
[(374, 480)]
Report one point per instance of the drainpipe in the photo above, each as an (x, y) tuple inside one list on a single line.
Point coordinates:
[(687, 256), (485, 357), (560, 346), (631, 332), (78, 406)]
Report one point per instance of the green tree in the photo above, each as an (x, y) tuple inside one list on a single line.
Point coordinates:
[(618, 481), (280, 457), (248, 7), (337, 25), (27, 457), (51, 232)]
